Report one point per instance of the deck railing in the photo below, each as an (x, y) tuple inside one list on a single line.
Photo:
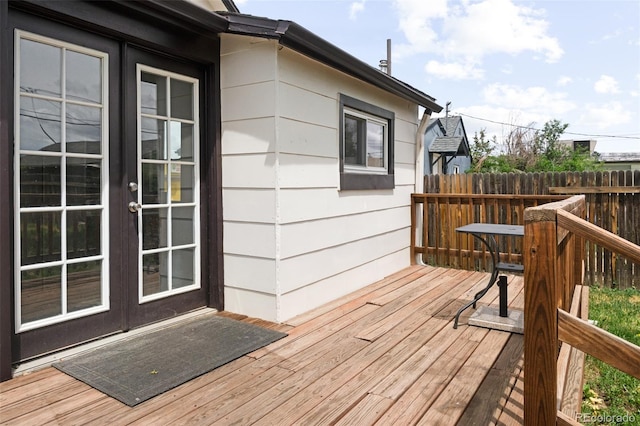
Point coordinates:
[(556, 329), (439, 244)]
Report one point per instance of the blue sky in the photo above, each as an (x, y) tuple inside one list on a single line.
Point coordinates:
[(499, 62)]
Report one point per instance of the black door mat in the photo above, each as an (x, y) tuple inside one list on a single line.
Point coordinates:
[(139, 368)]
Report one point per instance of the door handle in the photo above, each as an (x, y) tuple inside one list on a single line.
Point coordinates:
[(134, 207)]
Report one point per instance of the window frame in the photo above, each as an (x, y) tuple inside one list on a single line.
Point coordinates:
[(354, 177)]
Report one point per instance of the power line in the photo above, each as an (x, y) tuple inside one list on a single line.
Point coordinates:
[(536, 129)]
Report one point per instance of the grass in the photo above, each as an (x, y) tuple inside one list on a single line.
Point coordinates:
[(608, 392)]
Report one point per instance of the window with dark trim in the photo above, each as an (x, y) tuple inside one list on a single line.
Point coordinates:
[(366, 145)]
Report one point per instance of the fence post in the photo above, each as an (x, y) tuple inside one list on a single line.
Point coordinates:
[(540, 317)]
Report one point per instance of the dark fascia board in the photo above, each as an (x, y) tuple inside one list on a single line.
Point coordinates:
[(176, 12), (300, 39), (187, 12)]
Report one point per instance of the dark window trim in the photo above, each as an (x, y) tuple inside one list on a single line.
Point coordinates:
[(356, 181)]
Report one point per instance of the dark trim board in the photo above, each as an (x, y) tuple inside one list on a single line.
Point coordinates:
[(6, 193)]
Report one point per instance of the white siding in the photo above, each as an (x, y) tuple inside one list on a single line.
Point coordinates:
[(292, 239), (249, 180), (299, 301)]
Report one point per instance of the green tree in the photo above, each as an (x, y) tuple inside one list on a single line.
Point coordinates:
[(481, 150), (529, 150)]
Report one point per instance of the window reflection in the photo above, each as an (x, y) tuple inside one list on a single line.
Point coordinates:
[(181, 99), (41, 293), (84, 181), (154, 273), (83, 77), (40, 237), (40, 68), (154, 139), (153, 94), (84, 129), (154, 228), (183, 268), (40, 124), (83, 233), (40, 183), (84, 287)]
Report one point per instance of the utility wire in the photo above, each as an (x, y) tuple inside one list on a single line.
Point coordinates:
[(536, 129)]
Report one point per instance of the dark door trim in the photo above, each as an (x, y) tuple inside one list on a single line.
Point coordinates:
[(6, 193)]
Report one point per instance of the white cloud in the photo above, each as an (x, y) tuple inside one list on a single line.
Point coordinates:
[(454, 70), (536, 99), (564, 81), (356, 7), (468, 31), (605, 116), (606, 85)]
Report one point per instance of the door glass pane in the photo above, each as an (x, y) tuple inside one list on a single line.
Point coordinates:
[(40, 124), (153, 94), (181, 141), (182, 182), (40, 237), (154, 228), (84, 181), (40, 183), (83, 233), (181, 99), (183, 268), (181, 226), (154, 139), (154, 273), (41, 293), (84, 77), (84, 285), (40, 68), (154, 183), (84, 129)]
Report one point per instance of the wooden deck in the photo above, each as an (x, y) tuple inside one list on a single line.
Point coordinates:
[(387, 354)]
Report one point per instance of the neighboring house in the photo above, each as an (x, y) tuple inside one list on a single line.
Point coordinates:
[(446, 147), (157, 157), (588, 145), (620, 161)]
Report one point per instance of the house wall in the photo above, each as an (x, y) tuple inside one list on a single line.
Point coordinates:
[(292, 239), (463, 162)]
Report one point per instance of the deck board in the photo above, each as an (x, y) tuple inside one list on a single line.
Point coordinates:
[(386, 355)]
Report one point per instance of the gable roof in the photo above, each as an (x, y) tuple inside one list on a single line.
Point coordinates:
[(298, 38), (450, 145)]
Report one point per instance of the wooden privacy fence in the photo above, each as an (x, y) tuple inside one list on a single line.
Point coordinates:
[(436, 217), (555, 311), (612, 203)]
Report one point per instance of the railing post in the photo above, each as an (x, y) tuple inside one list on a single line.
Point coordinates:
[(540, 318)]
